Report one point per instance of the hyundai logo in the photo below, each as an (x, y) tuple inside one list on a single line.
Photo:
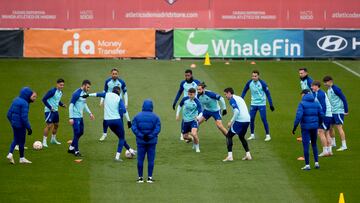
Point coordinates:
[(332, 43)]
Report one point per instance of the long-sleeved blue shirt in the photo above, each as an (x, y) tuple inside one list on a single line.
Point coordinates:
[(259, 92), (184, 88), (78, 104), (52, 100), (337, 100)]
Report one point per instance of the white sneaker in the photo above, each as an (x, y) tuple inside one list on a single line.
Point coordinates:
[(252, 137), (306, 168), (102, 138), (247, 157), (45, 144), (317, 165), (322, 154), (342, 148), (24, 161), (133, 152), (228, 158), (11, 158), (267, 138), (181, 137)]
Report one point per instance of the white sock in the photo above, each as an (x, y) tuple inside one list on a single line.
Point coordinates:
[(105, 134), (325, 149), (117, 156), (53, 137), (333, 142), (71, 148), (22, 158), (247, 154), (343, 142), (197, 146), (330, 149), (307, 166), (44, 139), (252, 135), (229, 154), (10, 154)]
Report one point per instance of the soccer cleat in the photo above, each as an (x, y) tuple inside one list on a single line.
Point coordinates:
[(317, 165), (267, 138), (10, 158), (133, 152), (197, 150), (24, 161), (150, 180), (102, 138), (78, 154), (71, 151), (44, 144), (342, 148), (228, 158), (323, 154), (118, 160), (247, 157), (54, 141), (181, 137), (140, 180), (306, 168), (252, 137)]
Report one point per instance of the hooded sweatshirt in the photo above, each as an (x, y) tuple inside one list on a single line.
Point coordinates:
[(19, 109), (146, 125)]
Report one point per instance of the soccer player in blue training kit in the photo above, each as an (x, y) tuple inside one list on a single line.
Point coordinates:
[(191, 113), (76, 108), (114, 110), (110, 83), (146, 127), (305, 79), (309, 115), (185, 85), (52, 101), (18, 115), (259, 92), (238, 124), (211, 108), (324, 128), (339, 108)]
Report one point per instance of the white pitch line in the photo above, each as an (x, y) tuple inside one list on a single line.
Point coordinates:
[(347, 68)]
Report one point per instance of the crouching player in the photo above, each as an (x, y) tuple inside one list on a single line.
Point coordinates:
[(191, 112), (18, 115), (238, 125), (146, 127), (76, 108), (114, 110), (309, 115), (210, 102)]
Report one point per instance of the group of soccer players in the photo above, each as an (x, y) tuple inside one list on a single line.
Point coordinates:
[(333, 108), (199, 104)]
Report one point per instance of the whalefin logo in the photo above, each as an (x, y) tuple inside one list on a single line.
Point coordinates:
[(196, 49), (171, 2), (332, 43)]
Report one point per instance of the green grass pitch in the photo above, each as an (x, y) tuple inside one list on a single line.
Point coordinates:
[(181, 175)]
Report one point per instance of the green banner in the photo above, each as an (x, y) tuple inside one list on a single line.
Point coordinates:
[(239, 43)]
